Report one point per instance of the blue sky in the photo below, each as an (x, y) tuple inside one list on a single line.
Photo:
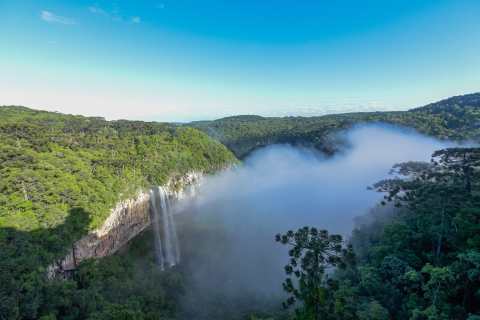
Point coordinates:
[(191, 60)]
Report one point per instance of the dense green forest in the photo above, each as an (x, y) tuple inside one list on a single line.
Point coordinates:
[(61, 175), (52, 163), (418, 259), (121, 286), (455, 119)]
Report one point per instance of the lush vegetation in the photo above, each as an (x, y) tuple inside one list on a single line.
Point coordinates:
[(121, 286), (51, 163), (456, 119), (420, 260), (59, 177), (417, 255), (313, 252)]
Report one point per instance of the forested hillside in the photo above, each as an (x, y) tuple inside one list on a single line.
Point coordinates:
[(60, 175), (456, 118), (52, 163), (417, 254), (420, 258)]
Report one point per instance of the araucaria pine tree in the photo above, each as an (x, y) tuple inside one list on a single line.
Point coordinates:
[(313, 252)]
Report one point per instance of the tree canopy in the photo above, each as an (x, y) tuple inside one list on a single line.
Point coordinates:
[(453, 119), (422, 263), (51, 163), (59, 177)]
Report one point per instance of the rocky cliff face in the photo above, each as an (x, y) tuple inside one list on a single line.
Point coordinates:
[(184, 186), (126, 220)]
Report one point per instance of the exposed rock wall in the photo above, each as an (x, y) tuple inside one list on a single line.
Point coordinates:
[(184, 186), (126, 220)]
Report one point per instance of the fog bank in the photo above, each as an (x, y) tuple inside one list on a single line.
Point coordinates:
[(283, 188)]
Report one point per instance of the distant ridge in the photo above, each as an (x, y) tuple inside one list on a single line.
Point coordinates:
[(456, 118)]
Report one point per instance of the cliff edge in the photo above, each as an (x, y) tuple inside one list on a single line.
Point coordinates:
[(126, 220)]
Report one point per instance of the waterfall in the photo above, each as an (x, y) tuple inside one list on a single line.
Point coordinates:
[(174, 238), (158, 239), (166, 227), (168, 252)]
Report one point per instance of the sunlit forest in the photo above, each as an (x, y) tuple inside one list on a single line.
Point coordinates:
[(227, 160), (454, 119), (414, 255)]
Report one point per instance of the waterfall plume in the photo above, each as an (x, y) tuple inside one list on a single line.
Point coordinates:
[(166, 243), (174, 239), (158, 239)]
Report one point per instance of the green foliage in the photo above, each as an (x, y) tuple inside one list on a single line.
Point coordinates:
[(424, 260), (124, 286), (24, 257), (455, 119), (59, 177), (313, 251), (51, 163), (460, 161), (118, 312), (372, 310)]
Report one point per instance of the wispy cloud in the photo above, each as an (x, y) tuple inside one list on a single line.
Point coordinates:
[(95, 9), (50, 17), (160, 6), (53, 41), (112, 13)]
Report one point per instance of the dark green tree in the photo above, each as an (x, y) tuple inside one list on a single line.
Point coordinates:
[(117, 311), (460, 161), (435, 205), (392, 188), (313, 251), (413, 169)]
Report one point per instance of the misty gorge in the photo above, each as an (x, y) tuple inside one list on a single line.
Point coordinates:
[(375, 218), (239, 160), (227, 231)]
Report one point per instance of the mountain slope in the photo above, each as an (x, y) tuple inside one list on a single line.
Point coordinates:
[(456, 118), (52, 163)]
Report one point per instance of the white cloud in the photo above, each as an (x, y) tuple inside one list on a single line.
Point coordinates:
[(160, 6), (53, 41), (112, 13), (50, 17), (95, 9)]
